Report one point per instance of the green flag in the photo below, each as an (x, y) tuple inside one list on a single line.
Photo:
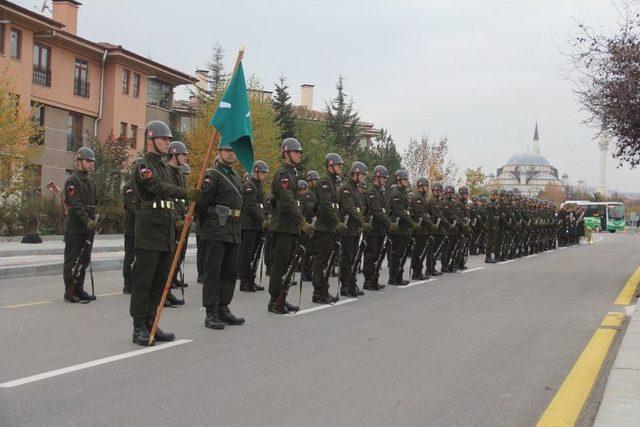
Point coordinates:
[(233, 120)]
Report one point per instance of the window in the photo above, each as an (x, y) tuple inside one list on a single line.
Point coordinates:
[(1, 39), (134, 136), (81, 79), (41, 65), (74, 132), (123, 130), (15, 43), (125, 82), (136, 85), (159, 93), (38, 120)]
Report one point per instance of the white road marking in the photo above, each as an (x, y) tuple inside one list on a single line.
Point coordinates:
[(531, 256), (86, 365), (549, 251), (473, 269), (421, 282), (562, 248), (628, 310), (28, 304), (507, 261), (321, 307)]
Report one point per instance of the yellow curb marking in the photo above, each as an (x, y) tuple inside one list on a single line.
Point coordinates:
[(629, 290)]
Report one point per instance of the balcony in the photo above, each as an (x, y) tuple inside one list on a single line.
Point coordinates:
[(81, 88), (41, 76)]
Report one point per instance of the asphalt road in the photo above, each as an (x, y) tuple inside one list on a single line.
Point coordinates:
[(489, 347)]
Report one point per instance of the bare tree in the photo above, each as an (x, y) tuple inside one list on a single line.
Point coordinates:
[(430, 159)]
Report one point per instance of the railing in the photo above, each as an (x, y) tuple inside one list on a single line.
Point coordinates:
[(81, 88), (41, 76)]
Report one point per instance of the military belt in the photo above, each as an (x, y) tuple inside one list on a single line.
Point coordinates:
[(234, 213), (157, 204)]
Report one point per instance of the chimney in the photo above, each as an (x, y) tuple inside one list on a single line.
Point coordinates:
[(203, 77), (66, 12), (306, 96)]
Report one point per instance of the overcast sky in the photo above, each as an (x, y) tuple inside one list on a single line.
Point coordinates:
[(479, 72)]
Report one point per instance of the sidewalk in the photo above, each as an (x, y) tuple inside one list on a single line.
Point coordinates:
[(620, 405), (44, 259)]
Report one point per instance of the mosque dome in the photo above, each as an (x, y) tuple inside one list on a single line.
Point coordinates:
[(527, 159)]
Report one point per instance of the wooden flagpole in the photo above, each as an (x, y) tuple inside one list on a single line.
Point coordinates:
[(215, 137)]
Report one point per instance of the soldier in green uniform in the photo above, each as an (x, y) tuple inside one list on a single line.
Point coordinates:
[(492, 227), (436, 211), (155, 230), (400, 238), (351, 207), (309, 211), (176, 157), (450, 212), (286, 223), (219, 212), (328, 227), (130, 206), (420, 214), (253, 223), (466, 232), (378, 203), (79, 225)]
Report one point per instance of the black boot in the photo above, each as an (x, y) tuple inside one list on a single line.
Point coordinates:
[(258, 287), (84, 296), (226, 316), (141, 333), (272, 307), (70, 296), (212, 321), (489, 260), (161, 335), (246, 286), (291, 307), (173, 301), (359, 291), (417, 275)]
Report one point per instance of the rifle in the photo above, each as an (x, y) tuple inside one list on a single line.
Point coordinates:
[(288, 277), (412, 241), (76, 271), (383, 253), (357, 261), (333, 260), (257, 257), (423, 255)]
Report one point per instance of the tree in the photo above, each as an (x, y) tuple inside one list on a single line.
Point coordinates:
[(16, 150), (217, 77), (608, 83), (552, 192), (382, 152), (284, 110), (475, 180), (342, 119), (432, 160)]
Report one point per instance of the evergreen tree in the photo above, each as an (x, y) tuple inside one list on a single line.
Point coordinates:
[(342, 119), (217, 79), (284, 110)]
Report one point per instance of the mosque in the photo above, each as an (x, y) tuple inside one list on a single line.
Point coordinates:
[(527, 172)]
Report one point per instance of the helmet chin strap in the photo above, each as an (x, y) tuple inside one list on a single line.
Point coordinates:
[(155, 147)]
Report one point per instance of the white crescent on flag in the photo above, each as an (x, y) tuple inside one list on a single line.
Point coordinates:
[(225, 105)]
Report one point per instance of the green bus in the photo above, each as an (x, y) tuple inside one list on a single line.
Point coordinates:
[(609, 216)]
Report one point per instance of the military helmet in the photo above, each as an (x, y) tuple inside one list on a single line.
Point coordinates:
[(184, 169), (177, 147), (401, 174), (463, 190), (483, 199), (224, 145), (495, 191), (503, 192), (381, 171), (436, 186), (422, 181), (311, 175), (333, 159), (157, 129), (291, 144), (449, 189), (358, 167), (302, 184), (260, 166), (474, 198), (85, 153)]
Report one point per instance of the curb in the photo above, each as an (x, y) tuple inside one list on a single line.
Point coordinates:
[(620, 405)]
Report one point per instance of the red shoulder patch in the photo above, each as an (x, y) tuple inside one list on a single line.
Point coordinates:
[(145, 172), (284, 180), (71, 191)]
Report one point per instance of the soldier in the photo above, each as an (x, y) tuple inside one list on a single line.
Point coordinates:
[(155, 231), (177, 157), (450, 212), (440, 238), (378, 203), (463, 212), (351, 207), (309, 211), (130, 199), (253, 223), (286, 224), (492, 227), (420, 215), (400, 238), (328, 227), (80, 225), (219, 211)]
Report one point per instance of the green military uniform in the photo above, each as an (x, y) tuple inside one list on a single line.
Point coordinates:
[(351, 207), (420, 214), (309, 211), (251, 219), (379, 209), (219, 213), (492, 225), (435, 207), (130, 205), (80, 197), (401, 237)]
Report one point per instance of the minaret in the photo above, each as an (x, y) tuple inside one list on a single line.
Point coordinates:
[(536, 140), (603, 143)]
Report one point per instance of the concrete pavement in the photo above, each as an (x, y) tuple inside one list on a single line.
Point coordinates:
[(488, 347)]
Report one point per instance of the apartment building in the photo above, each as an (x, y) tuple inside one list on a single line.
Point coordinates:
[(78, 88)]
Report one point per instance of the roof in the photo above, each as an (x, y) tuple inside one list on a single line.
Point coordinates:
[(545, 176), (527, 159)]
